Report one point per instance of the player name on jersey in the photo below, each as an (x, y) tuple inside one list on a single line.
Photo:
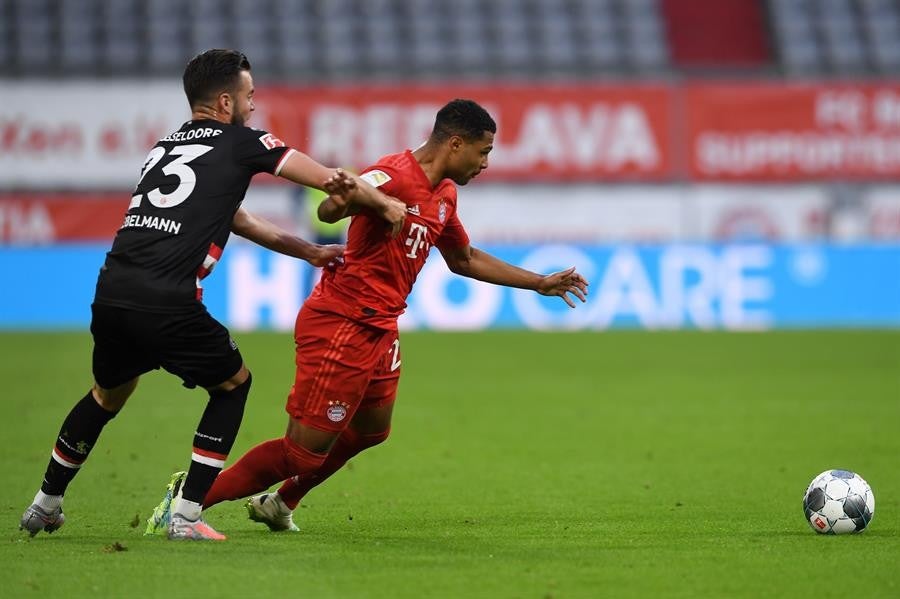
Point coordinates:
[(192, 134), (152, 222)]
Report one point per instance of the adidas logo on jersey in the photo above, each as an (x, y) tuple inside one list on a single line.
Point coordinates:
[(413, 209)]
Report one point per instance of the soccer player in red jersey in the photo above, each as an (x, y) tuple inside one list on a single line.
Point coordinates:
[(347, 344)]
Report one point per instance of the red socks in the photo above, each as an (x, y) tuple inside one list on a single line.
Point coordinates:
[(260, 468), (348, 445), (283, 460)]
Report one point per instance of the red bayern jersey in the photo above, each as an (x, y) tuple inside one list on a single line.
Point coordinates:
[(378, 272)]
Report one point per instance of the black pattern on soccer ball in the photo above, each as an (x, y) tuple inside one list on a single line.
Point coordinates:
[(838, 502)]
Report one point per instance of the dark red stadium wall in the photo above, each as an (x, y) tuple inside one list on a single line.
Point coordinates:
[(716, 33)]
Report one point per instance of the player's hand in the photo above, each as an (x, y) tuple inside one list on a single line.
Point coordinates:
[(563, 283), (323, 255), (340, 183), (394, 212), (340, 186)]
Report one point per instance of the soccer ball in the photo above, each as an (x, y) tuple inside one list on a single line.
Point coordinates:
[(838, 502)]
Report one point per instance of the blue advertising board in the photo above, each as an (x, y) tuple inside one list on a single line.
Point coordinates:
[(697, 286)]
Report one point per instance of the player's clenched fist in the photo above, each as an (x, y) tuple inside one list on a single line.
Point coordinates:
[(394, 212), (326, 254)]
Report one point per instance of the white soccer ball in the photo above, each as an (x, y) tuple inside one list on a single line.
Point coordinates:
[(837, 502)]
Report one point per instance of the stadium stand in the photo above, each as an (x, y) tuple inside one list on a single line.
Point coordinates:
[(432, 39), (842, 37), (338, 39)]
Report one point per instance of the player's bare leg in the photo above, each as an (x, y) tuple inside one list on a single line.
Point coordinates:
[(371, 421), (113, 400), (77, 436)]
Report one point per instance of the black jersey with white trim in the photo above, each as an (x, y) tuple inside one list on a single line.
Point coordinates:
[(180, 215)]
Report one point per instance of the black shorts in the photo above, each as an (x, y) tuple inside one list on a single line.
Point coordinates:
[(193, 346)]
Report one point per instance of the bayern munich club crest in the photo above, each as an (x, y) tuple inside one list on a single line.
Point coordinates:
[(337, 411), (442, 210)]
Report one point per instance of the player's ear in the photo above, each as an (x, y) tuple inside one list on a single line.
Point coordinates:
[(456, 142), (225, 102)]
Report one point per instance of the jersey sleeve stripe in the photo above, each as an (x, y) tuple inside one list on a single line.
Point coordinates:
[(283, 160)]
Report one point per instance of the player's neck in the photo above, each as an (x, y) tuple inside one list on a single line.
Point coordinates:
[(431, 161), (205, 113)]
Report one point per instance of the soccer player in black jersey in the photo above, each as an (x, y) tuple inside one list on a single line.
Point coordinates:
[(147, 311)]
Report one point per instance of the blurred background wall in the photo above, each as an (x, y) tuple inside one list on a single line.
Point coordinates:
[(707, 163)]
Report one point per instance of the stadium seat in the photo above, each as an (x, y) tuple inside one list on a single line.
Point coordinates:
[(881, 25), (78, 37), (33, 26), (837, 37), (120, 32), (6, 51), (468, 47)]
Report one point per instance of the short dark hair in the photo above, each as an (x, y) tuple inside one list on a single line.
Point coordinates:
[(464, 118), (212, 72)]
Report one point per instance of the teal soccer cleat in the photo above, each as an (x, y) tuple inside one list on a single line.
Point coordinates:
[(158, 522)]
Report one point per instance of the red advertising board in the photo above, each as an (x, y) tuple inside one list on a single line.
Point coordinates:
[(767, 132), (37, 219), (81, 136), (549, 132)]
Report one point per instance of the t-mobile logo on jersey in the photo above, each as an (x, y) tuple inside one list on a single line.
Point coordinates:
[(416, 239)]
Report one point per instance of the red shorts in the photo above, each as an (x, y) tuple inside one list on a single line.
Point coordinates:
[(342, 365)]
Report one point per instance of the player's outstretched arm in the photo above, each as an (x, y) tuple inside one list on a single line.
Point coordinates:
[(475, 264), (302, 169), (270, 236)]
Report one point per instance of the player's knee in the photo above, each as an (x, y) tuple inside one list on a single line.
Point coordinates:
[(372, 439), (299, 459), (112, 400), (238, 395)]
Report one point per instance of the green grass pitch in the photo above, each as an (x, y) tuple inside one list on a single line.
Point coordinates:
[(521, 464)]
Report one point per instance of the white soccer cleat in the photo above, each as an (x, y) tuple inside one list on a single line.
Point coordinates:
[(182, 529), (35, 519), (269, 508)]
